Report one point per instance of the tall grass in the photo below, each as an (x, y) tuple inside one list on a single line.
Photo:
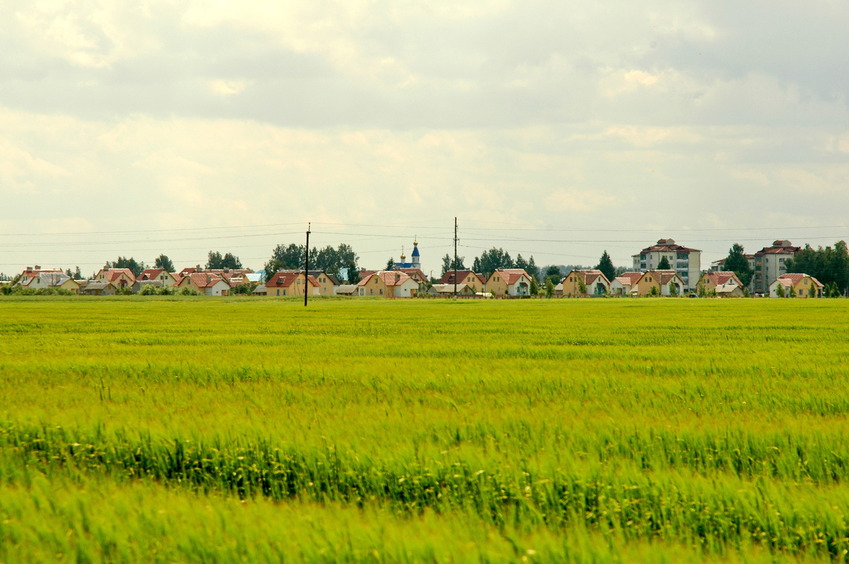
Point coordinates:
[(603, 429)]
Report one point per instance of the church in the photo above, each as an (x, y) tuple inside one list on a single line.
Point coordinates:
[(415, 261)]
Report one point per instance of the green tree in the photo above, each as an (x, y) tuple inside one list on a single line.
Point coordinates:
[(127, 262), (654, 291), (535, 289), (163, 262), (450, 264), (673, 289), (582, 286), (779, 291), (492, 260), (605, 265), (215, 261), (549, 287), (664, 264), (738, 263), (390, 264)]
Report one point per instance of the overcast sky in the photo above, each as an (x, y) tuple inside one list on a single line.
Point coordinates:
[(552, 129)]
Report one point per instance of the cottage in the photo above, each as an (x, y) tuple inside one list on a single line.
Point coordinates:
[(512, 282)]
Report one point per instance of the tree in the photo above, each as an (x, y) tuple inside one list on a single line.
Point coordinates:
[(605, 265), (664, 264), (492, 260), (673, 289), (535, 289), (532, 268), (135, 267), (390, 264), (737, 263), (450, 264), (163, 262), (792, 292), (654, 291), (549, 287), (582, 286), (217, 262), (779, 291), (826, 265)]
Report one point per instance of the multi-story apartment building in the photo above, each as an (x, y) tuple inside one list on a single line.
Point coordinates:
[(769, 264), (686, 262)]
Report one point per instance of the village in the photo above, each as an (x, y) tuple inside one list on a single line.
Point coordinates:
[(664, 269)]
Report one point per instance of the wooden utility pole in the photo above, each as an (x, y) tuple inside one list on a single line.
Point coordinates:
[(307, 268), (455, 257)]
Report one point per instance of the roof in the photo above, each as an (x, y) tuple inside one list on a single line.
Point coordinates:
[(449, 288), (779, 247), (794, 278), (448, 277), (629, 278), (332, 277), (150, 274), (389, 277), (113, 274), (722, 278), (512, 275), (415, 273), (591, 275), (286, 278), (346, 289), (205, 279), (668, 245)]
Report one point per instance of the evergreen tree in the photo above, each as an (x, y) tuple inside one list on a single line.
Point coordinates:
[(605, 265), (663, 264)]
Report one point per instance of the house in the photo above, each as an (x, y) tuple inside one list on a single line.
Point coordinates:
[(447, 291), (327, 283), (513, 282), (25, 279), (119, 277), (346, 290), (769, 264), (97, 288), (800, 285), (473, 280), (166, 279), (595, 283), (722, 283), (291, 283), (684, 261), (206, 283), (388, 283), (657, 283), (50, 279), (622, 284)]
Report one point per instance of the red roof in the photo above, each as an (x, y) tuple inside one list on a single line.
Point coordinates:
[(204, 279), (113, 274), (448, 277), (513, 275), (795, 278), (722, 278), (631, 277), (286, 278), (150, 274), (668, 245)]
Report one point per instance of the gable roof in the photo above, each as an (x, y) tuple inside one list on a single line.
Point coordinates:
[(286, 278), (668, 245), (448, 277), (512, 275), (204, 279), (722, 278), (629, 278), (113, 274), (794, 278)]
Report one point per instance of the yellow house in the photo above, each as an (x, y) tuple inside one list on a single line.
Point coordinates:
[(721, 284), (660, 281), (802, 285), (595, 283), (473, 280), (118, 277), (509, 282), (291, 283), (327, 283), (373, 285)]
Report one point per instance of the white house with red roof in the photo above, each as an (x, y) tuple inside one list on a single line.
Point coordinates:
[(512, 282), (802, 285), (723, 283), (622, 284)]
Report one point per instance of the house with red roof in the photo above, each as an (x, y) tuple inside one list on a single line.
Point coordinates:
[(595, 283), (622, 284), (206, 283), (658, 283), (796, 284), (291, 283), (119, 277), (165, 278), (512, 282), (474, 281), (389, 284), (722, 284)]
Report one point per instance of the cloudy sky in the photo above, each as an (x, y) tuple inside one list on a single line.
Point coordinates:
[(552, 129)]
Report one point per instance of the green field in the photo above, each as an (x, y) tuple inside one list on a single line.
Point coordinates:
[(220, 430)]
